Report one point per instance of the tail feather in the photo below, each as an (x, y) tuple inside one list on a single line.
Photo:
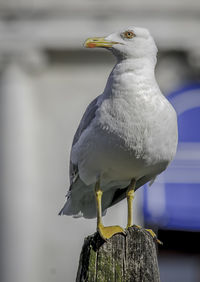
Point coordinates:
[(81, 201)]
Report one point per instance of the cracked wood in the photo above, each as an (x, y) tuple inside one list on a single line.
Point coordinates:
[(130, 258)]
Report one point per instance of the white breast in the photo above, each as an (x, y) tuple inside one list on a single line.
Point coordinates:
[(133, 134), (124, 144)]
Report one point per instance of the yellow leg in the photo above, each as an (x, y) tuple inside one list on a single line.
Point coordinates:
[(109, 231), (130, 197)]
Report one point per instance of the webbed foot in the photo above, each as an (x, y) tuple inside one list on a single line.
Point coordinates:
[(106, 232)]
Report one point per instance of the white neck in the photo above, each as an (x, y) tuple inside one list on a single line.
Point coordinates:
[(131, 75)]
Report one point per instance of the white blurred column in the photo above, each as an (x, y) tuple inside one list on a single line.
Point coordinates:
[(18, 147)]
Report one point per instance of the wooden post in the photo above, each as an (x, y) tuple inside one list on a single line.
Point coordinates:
[(123, 258)]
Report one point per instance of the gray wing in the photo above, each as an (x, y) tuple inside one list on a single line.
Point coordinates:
[(87, 118)]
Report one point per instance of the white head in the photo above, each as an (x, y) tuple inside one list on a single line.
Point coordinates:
[(133, 42)]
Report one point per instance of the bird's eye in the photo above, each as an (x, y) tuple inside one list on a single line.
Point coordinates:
[(128, 34)]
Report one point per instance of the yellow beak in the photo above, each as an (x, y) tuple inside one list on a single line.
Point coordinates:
[(99, 42)]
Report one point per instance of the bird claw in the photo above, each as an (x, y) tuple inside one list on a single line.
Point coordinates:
[(154, 236), (150, 232)]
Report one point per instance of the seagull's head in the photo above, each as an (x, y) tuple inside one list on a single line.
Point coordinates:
[(133, 42)]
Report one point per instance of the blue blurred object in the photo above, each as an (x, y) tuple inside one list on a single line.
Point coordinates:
[(173, 202)]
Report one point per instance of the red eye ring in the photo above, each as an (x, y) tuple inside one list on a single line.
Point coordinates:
[(129, 34)]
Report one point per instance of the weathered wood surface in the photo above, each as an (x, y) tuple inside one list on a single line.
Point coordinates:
[(131, 257)]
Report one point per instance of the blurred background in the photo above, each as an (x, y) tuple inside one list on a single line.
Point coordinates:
[(47, 79)]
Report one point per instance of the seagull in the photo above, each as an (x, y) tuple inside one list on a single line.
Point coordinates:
[(127, 135)]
